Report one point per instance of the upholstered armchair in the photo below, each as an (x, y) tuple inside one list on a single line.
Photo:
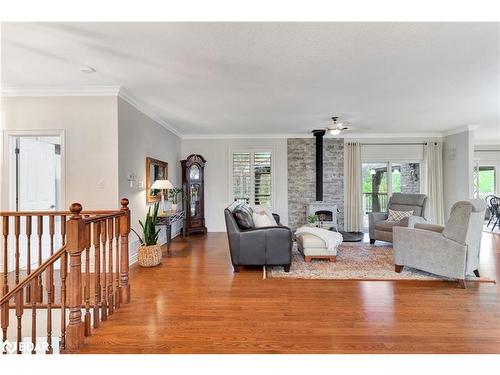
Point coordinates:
[(450, 251), (270, 246), (381, 229)]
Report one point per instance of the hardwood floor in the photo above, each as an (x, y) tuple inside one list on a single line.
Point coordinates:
[(194, 303)]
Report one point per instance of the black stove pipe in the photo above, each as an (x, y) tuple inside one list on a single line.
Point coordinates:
[(319, 134)]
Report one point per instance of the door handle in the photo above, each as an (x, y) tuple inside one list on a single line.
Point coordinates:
[(52, 206)]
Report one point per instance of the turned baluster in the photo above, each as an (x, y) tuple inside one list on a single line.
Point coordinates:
[(110, 265), (76, 328), (124, 232), (51, 239), (63, 229), (97, 272), (117, 263), (4, 315), (5, 288), (39, 231), (104, 282), (28, 258), (17, 232), (33, 318), (19, 300), (63, 274), (49, 276), (87, 279)]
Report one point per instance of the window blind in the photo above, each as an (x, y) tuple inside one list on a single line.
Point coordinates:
[(252, 180), (262, 178), (241, 177)]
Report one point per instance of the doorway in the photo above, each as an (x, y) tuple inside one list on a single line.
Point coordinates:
[(381, 179), (35, 173)]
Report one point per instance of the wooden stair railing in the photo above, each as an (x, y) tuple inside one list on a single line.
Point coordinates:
[(92, 282)]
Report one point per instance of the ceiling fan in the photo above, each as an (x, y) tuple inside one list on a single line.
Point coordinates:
[(338, 127)]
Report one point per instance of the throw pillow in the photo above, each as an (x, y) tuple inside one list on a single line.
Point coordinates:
[(398, 215), (262, 220), (267, 211), (243, 216)]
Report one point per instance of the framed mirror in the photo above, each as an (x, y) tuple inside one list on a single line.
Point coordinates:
[(155, 170)]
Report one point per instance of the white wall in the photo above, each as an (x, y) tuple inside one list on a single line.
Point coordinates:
[(138, 137), (217, 174), (458, 167), (91, 143)]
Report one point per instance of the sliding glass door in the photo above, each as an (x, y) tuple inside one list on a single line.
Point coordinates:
[(380, 180)]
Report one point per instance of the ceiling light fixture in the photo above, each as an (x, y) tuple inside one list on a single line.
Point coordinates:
[(86, 69)]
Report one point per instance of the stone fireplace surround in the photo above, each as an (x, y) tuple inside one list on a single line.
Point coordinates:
[(326, 211), (302, 178)]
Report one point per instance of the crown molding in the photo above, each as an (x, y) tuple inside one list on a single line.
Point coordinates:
[(310, 135), (116, 91), (61, 91), (147, 110), (246, 136), (392, 135), (460, 129)]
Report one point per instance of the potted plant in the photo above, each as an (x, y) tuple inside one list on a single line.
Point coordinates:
[(312, 220), (149, 253), (172, 195)]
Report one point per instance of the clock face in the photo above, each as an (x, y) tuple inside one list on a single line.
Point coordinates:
[(194, 172)]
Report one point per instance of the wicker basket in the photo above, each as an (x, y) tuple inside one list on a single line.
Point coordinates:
[(149, 256)]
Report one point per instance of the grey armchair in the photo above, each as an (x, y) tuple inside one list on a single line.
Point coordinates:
[(381, 229), (451, 251), (258, 246)]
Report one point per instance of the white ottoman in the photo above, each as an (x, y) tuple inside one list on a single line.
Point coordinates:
[(313, 247)]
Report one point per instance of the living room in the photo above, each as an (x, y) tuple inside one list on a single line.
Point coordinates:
[(337, 180)]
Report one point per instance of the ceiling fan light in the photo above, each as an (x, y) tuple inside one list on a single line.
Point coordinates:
[(335, 131)]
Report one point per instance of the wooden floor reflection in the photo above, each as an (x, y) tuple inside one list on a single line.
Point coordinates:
[(194, 303)]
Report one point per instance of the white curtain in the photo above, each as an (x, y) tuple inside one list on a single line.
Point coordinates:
[(353, 187), (433, 156)]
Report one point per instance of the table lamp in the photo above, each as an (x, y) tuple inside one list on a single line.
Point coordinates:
[(162, 185)]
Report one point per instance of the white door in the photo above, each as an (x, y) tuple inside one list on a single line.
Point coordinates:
[(37, 175)]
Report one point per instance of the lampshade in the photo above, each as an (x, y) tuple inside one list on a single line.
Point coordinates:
[(161, 185)]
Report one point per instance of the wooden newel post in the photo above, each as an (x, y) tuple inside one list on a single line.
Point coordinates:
[(74, 247), (124, 232)]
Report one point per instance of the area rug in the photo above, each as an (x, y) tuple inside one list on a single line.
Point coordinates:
[(355, 261)]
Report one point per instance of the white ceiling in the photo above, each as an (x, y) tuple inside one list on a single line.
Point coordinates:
[(275, 78)]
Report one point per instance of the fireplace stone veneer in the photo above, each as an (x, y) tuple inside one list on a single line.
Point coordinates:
[(302, 177)]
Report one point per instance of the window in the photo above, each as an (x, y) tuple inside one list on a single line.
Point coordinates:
[(486, 181), (380, 180), (251, 177)]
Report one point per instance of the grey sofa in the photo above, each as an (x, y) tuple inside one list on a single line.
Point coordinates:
[(270, 246), (381, 229), (451, 251)]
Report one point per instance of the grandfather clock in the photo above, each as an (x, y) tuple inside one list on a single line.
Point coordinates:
[(194, 187)]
